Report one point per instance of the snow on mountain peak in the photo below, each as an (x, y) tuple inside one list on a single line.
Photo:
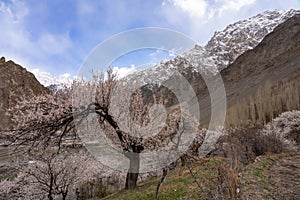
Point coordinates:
[(197, 59), (46, 79), (225, 46)]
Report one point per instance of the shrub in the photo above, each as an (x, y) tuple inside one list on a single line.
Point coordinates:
[(94, 188), (288, 125), (294, 135), (243, 145), (215, 179)]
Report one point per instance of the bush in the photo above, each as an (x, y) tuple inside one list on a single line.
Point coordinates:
[(243, 145), (215, 179), (94, 188), (294, 135), (288, 124)]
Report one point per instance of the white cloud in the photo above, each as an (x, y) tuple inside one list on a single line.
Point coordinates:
[(206, 9), (54, 44), (194, 8), (18, 44), (174, 52), (84, 8), (15, 10), (156, 53), (232, 5), (201, 18)]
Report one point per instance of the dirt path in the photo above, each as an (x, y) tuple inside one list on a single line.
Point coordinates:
[(273, 177)]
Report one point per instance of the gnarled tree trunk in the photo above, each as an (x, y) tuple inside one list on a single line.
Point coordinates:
[(134, 166)]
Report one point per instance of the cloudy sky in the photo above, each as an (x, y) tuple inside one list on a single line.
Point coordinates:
[(57, 36)]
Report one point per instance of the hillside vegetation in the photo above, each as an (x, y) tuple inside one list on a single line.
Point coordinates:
[(270, 177)]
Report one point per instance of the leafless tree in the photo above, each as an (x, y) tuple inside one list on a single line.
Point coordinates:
[(52, 176)]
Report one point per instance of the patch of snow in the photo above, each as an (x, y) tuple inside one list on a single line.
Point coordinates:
[(46, 79)]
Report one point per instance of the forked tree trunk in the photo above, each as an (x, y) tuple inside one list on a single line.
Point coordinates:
[(134, 166)]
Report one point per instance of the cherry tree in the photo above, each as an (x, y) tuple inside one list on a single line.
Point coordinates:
[(42, 122)]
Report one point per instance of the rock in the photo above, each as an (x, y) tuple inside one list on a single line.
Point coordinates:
[(2, 59)]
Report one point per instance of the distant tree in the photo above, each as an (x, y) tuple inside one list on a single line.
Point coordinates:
[(55, 176)]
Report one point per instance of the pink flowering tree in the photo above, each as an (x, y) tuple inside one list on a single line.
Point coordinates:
[(55, 176), (42, 122)]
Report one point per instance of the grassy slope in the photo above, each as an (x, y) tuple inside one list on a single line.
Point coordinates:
[(272, 177), (177, 185)]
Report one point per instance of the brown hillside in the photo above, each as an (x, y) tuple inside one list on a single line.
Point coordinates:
[(15, 82), (265, 81)]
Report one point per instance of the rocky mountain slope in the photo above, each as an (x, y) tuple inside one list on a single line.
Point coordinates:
[(266, 78), (15, 82), (260, 83), (51, 82), (274, 61), (222, 49), (225, 46)]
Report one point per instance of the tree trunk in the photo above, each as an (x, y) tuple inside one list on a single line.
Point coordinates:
[(134, 166), (131, 180), (64, 195), (165, 172), (50, 195)]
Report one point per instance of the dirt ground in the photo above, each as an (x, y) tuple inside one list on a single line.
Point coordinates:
[(272, 177)]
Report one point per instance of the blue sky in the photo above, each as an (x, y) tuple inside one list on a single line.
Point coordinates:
[(57, 36)]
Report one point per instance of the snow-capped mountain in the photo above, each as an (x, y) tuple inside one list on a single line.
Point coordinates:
[(51, 82), (46, 79), (221, 50), (225, 46), (197, 59)]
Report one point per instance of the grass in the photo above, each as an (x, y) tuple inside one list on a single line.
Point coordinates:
[(259, 172), (209, 175), (177, 185), (174, 187)]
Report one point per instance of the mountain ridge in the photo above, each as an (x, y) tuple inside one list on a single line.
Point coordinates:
[(220, 51), (16, 82), (226, 45)]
